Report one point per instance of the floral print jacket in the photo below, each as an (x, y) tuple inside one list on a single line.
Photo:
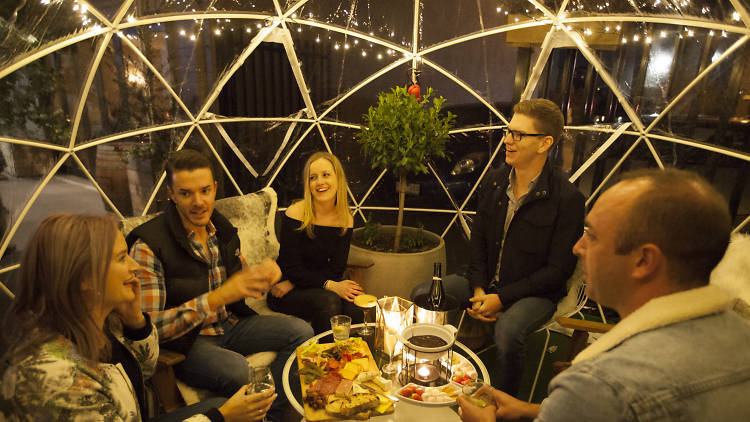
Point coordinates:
[(57, 384)]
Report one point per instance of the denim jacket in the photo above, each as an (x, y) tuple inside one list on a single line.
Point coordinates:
[(680, 357)]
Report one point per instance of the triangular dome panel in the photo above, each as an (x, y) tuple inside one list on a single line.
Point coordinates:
[(365, 17), (67, 191), (126, 95)]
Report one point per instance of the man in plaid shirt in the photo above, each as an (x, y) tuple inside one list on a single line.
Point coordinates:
[(194, 283)]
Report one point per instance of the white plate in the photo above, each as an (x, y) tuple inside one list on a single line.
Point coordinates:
[(456, 387), (462, 365)]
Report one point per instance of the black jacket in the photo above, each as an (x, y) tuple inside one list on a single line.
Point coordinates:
[(537, 254), (185, 273)]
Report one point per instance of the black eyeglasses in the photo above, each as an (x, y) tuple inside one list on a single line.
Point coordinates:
[(518, 136)]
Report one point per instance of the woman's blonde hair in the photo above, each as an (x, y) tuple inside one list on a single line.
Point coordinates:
[(342, 200), (67, 254)]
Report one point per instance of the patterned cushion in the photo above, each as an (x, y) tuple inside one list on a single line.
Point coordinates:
[(253, 215)]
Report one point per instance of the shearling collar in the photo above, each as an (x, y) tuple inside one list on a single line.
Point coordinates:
[(660, 312)]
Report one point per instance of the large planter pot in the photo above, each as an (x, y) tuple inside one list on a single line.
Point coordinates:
[(396, 274)]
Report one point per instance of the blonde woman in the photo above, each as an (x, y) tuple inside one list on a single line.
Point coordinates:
[(79, 345), (315, 236)]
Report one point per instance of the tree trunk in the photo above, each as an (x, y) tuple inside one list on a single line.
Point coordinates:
[(400, 221)]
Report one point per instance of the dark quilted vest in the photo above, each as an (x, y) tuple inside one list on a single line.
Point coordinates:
[(185, 274)]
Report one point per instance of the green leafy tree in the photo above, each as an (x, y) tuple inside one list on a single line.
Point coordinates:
[(403, 134)]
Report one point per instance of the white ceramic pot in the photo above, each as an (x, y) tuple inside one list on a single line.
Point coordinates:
[(396, 274), (445, 332)]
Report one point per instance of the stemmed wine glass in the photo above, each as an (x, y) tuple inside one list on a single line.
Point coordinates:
[(261, 381), (366, 303)]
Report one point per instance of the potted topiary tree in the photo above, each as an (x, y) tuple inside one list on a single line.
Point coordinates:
[(402, 134)]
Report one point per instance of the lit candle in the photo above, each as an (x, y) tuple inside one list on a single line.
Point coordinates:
[(396, 315), (427, 373)]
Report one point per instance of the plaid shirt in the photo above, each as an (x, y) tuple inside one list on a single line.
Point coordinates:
[(174, 322)]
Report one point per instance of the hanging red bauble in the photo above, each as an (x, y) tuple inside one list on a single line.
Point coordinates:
[(414, 90)]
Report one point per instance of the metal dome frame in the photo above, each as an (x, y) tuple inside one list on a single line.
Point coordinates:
[(277, 31)]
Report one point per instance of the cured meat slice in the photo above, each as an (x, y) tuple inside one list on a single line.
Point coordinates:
[(344, 387), (326, 385)]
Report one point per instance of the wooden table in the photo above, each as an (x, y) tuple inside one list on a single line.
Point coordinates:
[(405, 411)]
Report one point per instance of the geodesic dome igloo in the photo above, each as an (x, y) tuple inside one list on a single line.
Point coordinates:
[(94, 94)]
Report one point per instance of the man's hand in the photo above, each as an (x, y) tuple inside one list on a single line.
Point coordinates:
[(346, 289), (253, 281), (130, 312), (470, 412), (478, 291), (281, 288), (506, 407), (485, 307), (510, 408)]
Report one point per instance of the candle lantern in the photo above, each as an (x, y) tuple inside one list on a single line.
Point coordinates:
[(394, 314), (427, 354)]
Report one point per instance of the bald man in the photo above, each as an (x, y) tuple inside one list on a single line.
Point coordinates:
[(679, 353)]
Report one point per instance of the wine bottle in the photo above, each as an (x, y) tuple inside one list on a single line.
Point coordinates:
[(435, 299)]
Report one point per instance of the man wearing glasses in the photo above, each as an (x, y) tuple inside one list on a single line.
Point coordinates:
[(528, 219)]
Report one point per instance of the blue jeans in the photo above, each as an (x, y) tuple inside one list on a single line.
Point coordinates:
[(513, 325), (217, 363)]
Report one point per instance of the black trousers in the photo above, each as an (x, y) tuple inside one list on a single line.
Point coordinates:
[(316, 305)]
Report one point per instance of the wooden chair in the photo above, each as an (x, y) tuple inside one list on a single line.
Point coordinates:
[(579, 339), (569, 305)]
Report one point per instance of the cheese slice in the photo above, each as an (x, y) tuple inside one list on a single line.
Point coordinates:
[(367, 375), (363, 363), (350, 371), (384, 408)]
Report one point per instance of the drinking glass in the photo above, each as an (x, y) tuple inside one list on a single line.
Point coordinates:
[(261, 380), (479, 398), (340, 325), (367, 303)]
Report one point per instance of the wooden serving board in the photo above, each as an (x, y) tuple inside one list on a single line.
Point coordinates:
[(317, 415)]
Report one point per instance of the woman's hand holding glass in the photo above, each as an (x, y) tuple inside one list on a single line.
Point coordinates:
[(346, 289), (247, 406)]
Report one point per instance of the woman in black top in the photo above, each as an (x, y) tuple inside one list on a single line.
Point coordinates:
[(315, 236)]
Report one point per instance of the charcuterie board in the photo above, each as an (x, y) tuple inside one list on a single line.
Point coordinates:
[(332, 377)]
